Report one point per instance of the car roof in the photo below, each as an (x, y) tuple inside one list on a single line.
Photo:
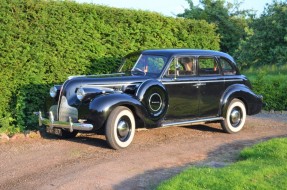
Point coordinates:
[(174, 52)]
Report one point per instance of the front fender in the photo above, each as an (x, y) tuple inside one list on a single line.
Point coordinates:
[(101, 107), (252, 101)]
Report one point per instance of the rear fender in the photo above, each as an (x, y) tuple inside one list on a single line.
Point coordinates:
[(252, 101)]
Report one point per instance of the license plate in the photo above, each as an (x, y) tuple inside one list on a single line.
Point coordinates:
[(54, 131)]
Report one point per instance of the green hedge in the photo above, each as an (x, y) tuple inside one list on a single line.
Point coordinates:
[(273, 89), (43, 42)]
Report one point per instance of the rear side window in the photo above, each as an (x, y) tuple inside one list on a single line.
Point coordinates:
[(208, 66), (227, 67)]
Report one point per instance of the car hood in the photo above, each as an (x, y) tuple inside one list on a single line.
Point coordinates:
[(115, 82)]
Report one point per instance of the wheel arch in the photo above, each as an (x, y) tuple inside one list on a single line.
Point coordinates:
[(241, 92)]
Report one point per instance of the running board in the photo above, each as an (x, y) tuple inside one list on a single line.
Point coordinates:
[(197, 121)]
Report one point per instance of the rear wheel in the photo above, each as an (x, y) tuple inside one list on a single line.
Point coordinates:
[(120, 127), (235, 117)]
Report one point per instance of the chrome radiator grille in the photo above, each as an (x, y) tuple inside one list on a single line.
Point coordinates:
[(54, 110), (66, 111)]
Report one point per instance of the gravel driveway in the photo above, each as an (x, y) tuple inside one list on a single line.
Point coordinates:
[(87, 162)]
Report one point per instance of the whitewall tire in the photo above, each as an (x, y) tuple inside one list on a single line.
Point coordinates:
[(235, 117), (120, 127)]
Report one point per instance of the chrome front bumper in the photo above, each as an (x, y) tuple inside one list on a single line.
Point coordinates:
[(62, 124)]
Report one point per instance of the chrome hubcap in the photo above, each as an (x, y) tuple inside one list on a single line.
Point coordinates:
[(235, 117), (123, 130)]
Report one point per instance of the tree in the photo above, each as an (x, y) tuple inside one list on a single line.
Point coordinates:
[(267, 44), (230, 20)]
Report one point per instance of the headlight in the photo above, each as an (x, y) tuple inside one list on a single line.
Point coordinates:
[(80, 93), (53, 92)]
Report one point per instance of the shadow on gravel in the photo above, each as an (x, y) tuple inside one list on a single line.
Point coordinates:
[(150, 179), (204, 128), (220, 157), (90, 141), (84, 138)]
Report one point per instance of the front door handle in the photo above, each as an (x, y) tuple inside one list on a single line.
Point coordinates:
[(199, 84)]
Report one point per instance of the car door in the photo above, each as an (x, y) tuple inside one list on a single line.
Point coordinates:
[(180, 81), (210, 86)]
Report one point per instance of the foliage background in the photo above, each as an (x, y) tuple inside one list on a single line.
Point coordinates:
[(230, 20), (273, 88), (266, 44), (43, 42), (258, 44)]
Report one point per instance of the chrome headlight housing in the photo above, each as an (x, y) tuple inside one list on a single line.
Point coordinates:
[(53, 92), (80, 93)]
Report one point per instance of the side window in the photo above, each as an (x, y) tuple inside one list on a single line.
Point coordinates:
[(208, 66), (227, 67), (181, 66)]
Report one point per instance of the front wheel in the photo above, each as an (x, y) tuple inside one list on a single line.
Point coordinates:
[(235, 117), (120, 128)]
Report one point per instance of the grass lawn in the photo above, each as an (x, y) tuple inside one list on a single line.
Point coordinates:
[(263, 166)]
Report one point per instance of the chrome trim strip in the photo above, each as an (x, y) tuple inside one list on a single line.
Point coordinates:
[(234, 80), (180, 82), (111, 74), (109, 84), (199, 81), (62, 124), (191, 122)]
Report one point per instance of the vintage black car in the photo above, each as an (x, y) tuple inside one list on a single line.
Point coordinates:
[(164, 87)]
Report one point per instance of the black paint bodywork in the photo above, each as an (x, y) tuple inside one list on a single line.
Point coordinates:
[(184, 99)]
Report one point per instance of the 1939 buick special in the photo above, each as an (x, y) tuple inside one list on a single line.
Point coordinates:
[(164, 87)]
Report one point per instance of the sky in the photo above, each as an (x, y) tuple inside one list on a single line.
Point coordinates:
[(170, 7)]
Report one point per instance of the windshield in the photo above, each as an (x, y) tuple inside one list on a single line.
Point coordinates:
[(142, 64), (129, 62), (149, 64)]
